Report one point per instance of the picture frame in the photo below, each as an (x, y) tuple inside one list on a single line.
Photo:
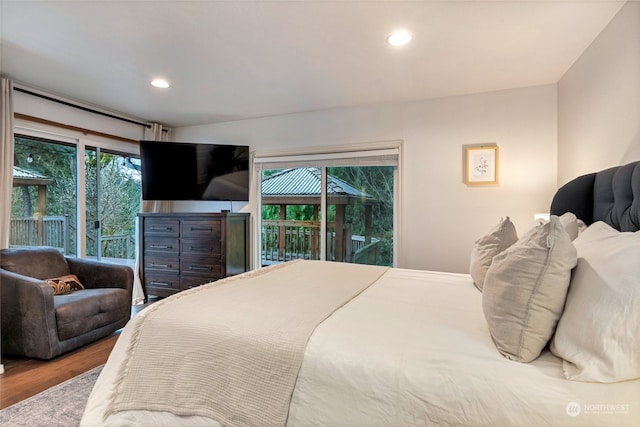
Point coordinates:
[(481, 165)]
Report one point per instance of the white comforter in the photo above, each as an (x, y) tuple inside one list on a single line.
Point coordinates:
[(414, 349)]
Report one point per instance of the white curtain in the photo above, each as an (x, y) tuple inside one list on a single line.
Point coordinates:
[(6, 163), (153, 133), (6, 159)]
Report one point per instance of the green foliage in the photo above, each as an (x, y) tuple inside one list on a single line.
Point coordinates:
[(120, 194), (56, 162), (294, 212), (120, 201), (301, 212), (270, 212), (376, 182)]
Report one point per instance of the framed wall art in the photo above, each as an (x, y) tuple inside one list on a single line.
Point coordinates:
[(481, 165)]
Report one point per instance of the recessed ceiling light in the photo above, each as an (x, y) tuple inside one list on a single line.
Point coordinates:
[(399, 38), (161, 83)]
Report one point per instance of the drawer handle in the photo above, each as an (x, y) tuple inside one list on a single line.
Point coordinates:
[(199, 248), (160, 284), (209, 229), (160, 265), (161, 228), (161, 246), (198, 268)]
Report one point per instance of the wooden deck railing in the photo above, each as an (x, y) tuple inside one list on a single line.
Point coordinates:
[(284, 240), (51, 231), (281, 240), (289, 240), (56, 232), (122, 246)]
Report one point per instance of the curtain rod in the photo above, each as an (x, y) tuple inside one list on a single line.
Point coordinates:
[(80, 107), (71, 127)]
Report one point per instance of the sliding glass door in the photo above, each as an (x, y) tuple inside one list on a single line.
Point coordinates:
[(51, 184), (360, 212), (113, 194), (338, 207)]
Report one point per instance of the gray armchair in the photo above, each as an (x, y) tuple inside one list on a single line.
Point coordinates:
[(36, 323)]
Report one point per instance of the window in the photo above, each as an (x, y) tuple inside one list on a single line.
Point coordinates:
[(291, 214), (360, 207), (113, 194), (44, 201), (339, 206), (52, 182)]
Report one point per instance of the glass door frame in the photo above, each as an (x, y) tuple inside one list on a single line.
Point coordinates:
[(373, 154), (81, 141), (98, 201)]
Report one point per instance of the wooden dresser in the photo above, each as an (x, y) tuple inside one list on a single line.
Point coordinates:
[(183, 250)]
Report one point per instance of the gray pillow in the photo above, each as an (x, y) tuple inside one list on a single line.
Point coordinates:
[(525, 289), (486, 247)]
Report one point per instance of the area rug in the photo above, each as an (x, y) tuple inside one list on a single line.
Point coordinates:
[(61, 405)]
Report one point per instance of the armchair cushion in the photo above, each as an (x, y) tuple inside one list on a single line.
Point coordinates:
[(80, 312), (49, 262), (95, 274)]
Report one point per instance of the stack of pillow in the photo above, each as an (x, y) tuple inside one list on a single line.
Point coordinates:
[(576, 289)]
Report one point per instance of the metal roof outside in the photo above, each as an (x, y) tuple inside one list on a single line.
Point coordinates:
[(306, 182)]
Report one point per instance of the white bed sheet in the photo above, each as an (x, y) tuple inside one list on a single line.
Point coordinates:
[(414, 349)]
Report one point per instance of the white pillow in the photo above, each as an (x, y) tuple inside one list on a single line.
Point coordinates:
[(581, 226), (525, 290), (568, 220), (598, 335), (570, 223), (499, 238)]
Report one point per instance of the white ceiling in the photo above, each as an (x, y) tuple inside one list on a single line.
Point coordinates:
[(231, 60)]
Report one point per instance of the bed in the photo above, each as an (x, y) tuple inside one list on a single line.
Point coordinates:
[(311, 343)]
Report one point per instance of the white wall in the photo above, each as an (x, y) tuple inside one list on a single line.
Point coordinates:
[(599, 101), (44, 109), (441, 216)]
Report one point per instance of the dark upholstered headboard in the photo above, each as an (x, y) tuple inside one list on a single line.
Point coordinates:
[(611, 195)]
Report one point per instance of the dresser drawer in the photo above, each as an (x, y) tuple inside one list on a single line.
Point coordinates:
[(205, 247), (161, 281), (204, 266), (162, 263), (207, 230), (161, 227), (188, 282), (168, 245)]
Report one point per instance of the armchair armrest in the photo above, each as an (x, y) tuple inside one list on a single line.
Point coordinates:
[(94, 274), (28, 314)]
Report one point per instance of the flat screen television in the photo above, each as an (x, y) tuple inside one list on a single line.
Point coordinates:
[(194, 171)]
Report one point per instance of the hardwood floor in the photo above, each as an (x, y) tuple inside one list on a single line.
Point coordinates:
[(24, 377)]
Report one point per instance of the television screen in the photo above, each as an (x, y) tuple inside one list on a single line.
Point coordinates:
[(190, 171)]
